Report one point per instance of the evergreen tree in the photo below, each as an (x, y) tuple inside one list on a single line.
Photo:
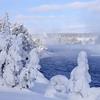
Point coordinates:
[(31, 73), (19, 61), (4, 46), (6, 25)]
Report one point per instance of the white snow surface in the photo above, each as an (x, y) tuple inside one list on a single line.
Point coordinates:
[(17, 94), (36, 94)]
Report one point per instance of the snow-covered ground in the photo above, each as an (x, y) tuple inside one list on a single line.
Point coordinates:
[(38, 94), (24, 94)]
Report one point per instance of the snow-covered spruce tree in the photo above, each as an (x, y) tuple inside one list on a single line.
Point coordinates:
[(4, 45), (10, 67), (9, 55), (6, 25), (1, 24), (29, 59), (80, 77), (31, 72), (19, 51), (16, 60)]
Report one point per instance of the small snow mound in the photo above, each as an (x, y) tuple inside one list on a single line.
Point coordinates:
[(58, 83)]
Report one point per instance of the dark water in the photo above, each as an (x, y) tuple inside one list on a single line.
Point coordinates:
[(63, 65)]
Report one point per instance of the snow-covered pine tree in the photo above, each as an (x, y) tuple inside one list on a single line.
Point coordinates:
[(12, 68), (29, 62), (4, 45), (1, 24), (6, 25), (31, 73), (34, 67), (18, 54), (19, 61), (19, 28), (14, 49)]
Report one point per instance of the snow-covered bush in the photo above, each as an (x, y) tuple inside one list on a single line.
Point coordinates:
[(80, 77), (58, 83)]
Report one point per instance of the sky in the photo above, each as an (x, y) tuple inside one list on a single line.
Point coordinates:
[(54, 16)]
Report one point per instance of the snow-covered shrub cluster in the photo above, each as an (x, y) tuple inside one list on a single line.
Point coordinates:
[(77, 87), (19, 61)]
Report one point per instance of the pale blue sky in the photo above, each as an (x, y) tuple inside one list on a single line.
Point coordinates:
[(54, 15)]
